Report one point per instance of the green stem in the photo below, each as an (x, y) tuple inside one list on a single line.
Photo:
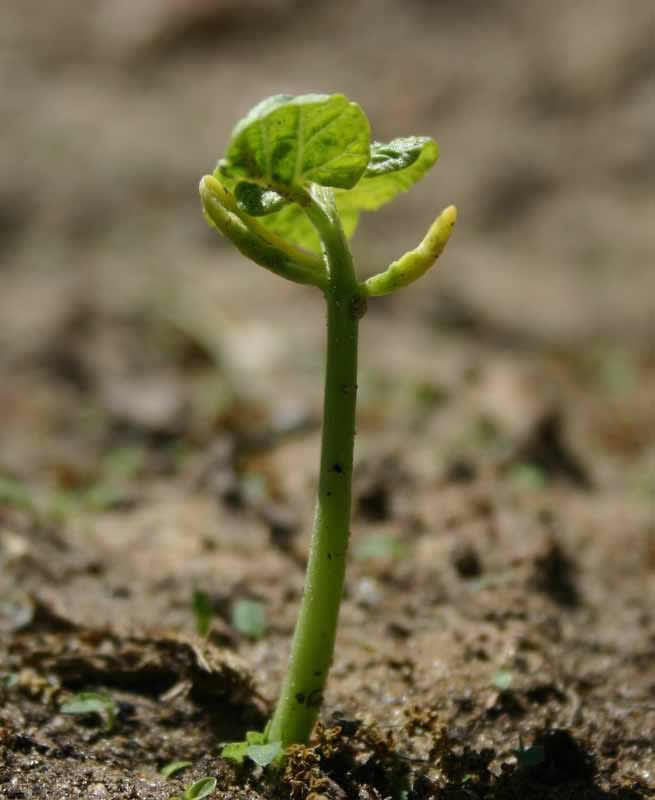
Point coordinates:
[(313, 641)]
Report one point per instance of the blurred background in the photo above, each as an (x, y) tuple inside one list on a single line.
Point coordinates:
[(123, 315)]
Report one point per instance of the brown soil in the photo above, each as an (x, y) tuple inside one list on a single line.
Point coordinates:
[(160, 408)]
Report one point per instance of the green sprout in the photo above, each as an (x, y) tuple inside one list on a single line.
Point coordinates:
[(202, 788), (85, 703), (173, 767), (202, 611), (288, 193)]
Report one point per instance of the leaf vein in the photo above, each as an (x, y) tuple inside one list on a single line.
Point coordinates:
[(326, 124), (348, 151), (300, 147)]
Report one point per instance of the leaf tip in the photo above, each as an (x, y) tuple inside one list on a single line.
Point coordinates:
[(449, 216)]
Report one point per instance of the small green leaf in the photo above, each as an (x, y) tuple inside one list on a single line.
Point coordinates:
[(249, 618), (173, 767), (92, 703), (255, 747), (202, 788), (264, 754), (287, 141), (394, 167), (235, 751), (257, 201), (202, 611), (396, 155)]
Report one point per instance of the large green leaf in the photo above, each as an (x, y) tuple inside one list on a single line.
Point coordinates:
[(287, 141)]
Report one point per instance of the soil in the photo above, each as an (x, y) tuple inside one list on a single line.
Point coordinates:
[(160, 404)]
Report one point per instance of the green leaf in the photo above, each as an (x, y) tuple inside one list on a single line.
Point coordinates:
[(255, 747), (290, 141), (394, 167), (264, 754), (396, 155), (202, 611), (92, 703), (235, 751), (249, 618), (202, 788), (172, 767)]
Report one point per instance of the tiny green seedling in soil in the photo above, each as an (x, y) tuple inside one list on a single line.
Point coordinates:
[(202, 788), (202, 611), (85, 703), (288, 194), (173, 767)]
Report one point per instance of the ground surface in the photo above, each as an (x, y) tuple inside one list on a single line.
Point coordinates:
[(160, 408)]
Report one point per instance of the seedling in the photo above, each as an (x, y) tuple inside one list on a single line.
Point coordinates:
[(173, 767), (202, 611), (297, 173), (202, 788), (92, 703)]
